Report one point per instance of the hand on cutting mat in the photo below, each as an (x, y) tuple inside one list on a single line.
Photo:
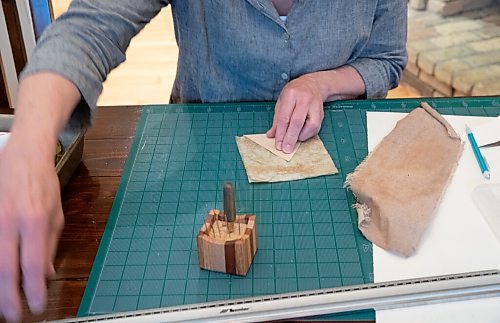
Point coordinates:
[(31, 216), (299, 110), (298, 113)]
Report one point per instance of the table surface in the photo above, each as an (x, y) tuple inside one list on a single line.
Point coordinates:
[(87, 201)]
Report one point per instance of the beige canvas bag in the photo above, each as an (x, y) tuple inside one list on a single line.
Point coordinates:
[(401, 183)]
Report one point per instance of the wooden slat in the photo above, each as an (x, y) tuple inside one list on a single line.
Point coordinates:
[(96, 194), (105, 157), (15, 35), (59, 307), (114, 123)]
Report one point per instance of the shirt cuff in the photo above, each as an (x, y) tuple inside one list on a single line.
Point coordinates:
[(374, 76)]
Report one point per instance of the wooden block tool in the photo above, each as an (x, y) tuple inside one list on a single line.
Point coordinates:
[(227, 242)]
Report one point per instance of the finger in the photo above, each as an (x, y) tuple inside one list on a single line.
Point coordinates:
[(296, 124), (283, 119), (10, 304), (271, 133), (313, 124), (34, 261), (53, 239)]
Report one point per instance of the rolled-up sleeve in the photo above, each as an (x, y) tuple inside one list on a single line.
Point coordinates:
[(87, 42), (384, 56)]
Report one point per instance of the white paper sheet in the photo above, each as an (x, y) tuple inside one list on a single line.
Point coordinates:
[(457, 240), (487, 133)]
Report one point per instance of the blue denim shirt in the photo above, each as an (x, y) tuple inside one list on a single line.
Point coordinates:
[(230, 50)]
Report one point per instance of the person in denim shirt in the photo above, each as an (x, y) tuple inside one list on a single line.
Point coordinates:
[(298, 53)]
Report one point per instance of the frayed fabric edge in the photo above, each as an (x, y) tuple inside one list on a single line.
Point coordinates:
[(364, 214)]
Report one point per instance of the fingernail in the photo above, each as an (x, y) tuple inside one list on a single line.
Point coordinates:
[(287, 148), (37, 306), (11, 315), (36, 303), (279, 145)]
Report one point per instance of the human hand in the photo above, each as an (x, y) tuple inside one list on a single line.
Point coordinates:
[(31, 219), (298, 113)]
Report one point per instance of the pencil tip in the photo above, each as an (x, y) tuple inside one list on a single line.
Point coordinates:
[(487, 175), (467, 129)]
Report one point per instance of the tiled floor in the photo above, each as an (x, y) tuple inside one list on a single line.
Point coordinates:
[(457, 55)]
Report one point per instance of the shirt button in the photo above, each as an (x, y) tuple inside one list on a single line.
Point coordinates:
[(286, 36), (284, 76)]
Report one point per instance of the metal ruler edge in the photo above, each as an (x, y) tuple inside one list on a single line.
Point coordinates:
[(378, 296)]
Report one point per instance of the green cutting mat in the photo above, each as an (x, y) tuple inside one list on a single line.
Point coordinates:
[(180, 158)]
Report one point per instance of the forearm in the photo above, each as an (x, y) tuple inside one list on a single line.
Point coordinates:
[(45, 102), (338, 84), (85, 43)]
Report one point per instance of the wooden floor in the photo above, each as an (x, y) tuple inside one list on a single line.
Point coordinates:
[(148, 74), (149, 71)]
